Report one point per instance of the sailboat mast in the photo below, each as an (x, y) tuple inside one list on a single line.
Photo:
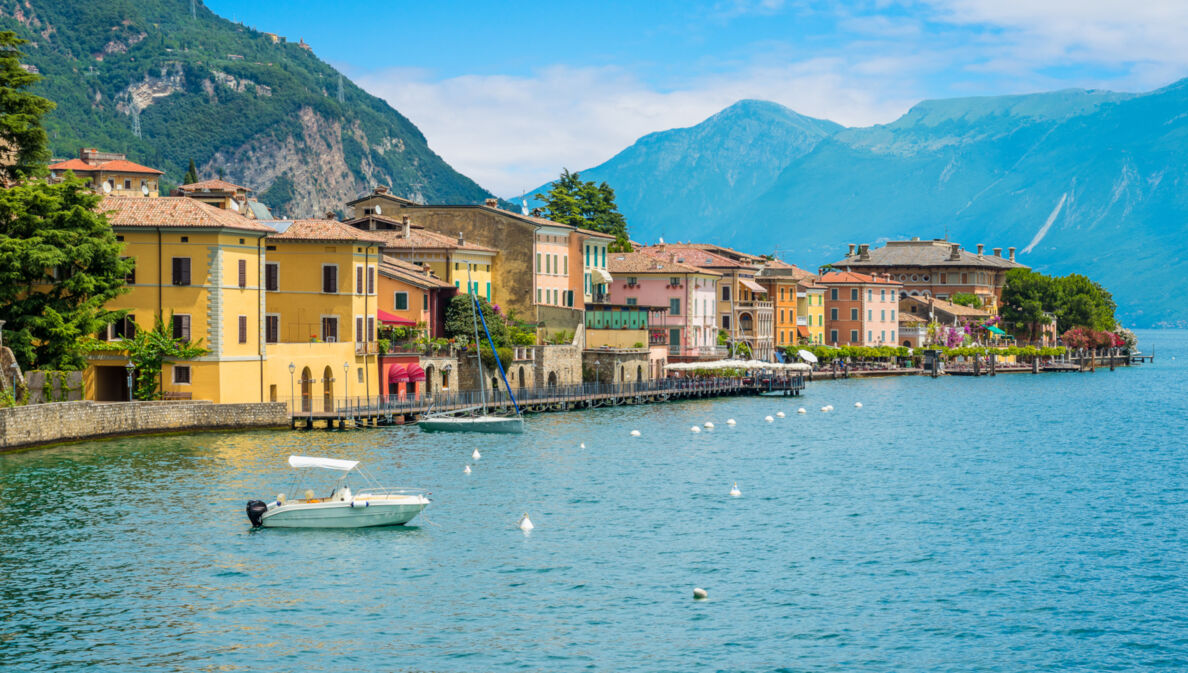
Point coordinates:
[(478, 351)]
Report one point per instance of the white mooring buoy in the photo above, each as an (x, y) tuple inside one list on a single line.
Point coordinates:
[(858, 405), (734, 490), (769, 419), (709, 425), (466, 470), (700, 594), (525, 523), (801, 411), (635, 433), (476, 455), (779, 414), (729, 421), (583, 445), (695, 429)]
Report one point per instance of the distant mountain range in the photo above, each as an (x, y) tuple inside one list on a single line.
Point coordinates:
[(264, 111), (1094, 182)]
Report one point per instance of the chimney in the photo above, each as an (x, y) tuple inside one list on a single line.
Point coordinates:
[(954, 252), (1011, 251), (406, 227), (381, 189), (998, 252), (980, 248), (330, 215), (864, 251), (461, 239), (491, 203), (851, 250)]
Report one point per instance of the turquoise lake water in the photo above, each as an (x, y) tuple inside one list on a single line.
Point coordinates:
[(1015, 523)]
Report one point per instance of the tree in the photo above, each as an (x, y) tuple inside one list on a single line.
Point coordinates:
[(587, 205), (191, 174), (22, 138), (148, 349), (459, 320), (1084, 303), (60, 265), (966, 299)]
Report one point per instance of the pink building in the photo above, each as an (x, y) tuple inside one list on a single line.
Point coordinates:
[(860, 309), (688, 293)]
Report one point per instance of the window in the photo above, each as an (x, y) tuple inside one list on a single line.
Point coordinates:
[(371, 328), (632, 280), (869, 336), (181, 374), (359, 329), (271, 276), (272, 329), (964, 278), (833, 294), (127, 184), (883, 314), (882, 295), (893, 320), (725, 322), (854, 294), (675, 282), (587, 255), (632, 301), (538, 295), (358, 279), (185, 239), (853, 336), (870, 314), (833, 314), (181, 327), (538, 262), (820, 320), (400, 302), (371, 280), (330, 328), (870, 295), (725, 293), (833, 336), (330, 278), (943, 278), (123, 329), (130, 279), (781, 315), (781, 299), (565, 265), (181, 270), (892, 335), (243, 329), (488, 292), (242, 273), (425, 301), (882, 335), (674, 306), (853, 314)]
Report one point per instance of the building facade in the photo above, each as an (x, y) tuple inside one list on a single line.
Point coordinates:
[(810, 309), (110, 173), (860, 309), (688, 326)]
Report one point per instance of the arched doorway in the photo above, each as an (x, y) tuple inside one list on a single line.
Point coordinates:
[(907, 343), (306, 389), (429, 379), (746, 323), (622, 374), (521, 377), (638, 372), (327, 389), (552, 379)]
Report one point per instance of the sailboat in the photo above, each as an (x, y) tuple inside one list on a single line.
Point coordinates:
[(477, 419)]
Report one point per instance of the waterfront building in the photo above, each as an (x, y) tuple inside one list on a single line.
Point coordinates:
[(744, 311), (934, 309), (469, 267), (860, 309), (629, 342), (913, 330), (936, 268), (689, 324), (810, 311), (783, 282), (226, 195), (110, 173), (412, 296)]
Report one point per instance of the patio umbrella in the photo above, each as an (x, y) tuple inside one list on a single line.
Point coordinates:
[(806, 356)]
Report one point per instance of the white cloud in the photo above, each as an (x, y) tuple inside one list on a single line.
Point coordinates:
[(515, 133)]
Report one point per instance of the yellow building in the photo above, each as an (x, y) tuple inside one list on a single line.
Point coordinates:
[(226, 195), (810, 307), (780, 281), (110, 173), (446, 256)]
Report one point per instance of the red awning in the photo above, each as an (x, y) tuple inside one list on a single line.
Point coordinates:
[(393, 319), (397, 374), (415, 373), (802, 330)]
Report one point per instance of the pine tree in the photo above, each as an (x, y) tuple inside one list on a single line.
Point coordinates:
[(22, 137), (586, 205), (191, 174)]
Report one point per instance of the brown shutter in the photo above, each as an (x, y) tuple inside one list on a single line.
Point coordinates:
[(181, 327), (359, 329), (271, 329), (177, 270), (370, 328), (243, 273), (371, 280), (243, 329), (358, 280), (271, 280), (329, 279), (181, 270)]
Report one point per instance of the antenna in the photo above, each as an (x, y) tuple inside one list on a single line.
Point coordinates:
[(341, 99)]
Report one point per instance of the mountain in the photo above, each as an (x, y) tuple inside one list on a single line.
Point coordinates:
[(264, 111), (1092, 182)]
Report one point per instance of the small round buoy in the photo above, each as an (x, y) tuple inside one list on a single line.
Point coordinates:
[(768, 419), (801, 411), (695, 429), (829, 406), (635, 433), (525, 523), (779, 414), (826, 409), (858, 405), (734, 490), (583, 445), (700, 594), (729, 421), (466, 470), (709, 426), (476, 455)]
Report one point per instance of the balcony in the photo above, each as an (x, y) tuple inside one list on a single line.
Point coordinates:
[(752, 305), (803, 321), (366, 348)]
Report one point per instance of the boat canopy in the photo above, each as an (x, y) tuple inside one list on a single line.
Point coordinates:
[(325, 463)]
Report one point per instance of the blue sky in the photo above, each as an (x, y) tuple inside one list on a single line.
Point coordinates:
[(509, 93)]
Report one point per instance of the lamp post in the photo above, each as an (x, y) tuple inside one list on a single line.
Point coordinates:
[(346, 379), (129, 368), (292, 390), (597, 372)]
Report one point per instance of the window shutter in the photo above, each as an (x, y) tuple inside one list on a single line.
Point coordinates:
[(185, 270), (271, 329), (181, 327), (177, 274), (243, 329), (359, 329), (371, 280), (243, 273), (330, 279), (358, 280), (370, 328), (271, 279)]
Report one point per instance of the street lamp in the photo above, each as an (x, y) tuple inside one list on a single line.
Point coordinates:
[(292, 394), (129, 368), (597, 372), (346, 370)]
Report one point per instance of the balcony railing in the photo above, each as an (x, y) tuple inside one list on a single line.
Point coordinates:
[(752, 305), (803, 320)]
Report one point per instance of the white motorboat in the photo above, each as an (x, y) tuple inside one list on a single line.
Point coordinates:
[(371, 505)]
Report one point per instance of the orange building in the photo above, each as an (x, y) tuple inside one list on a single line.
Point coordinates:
[(110, 173), (413, 295), (860, 310)]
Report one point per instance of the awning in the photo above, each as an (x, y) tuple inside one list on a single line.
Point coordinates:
[(603, 276), (415, 373), (803, 331), (397, 374), (755, 287), (995, 330), (393, 319), (327, 463)]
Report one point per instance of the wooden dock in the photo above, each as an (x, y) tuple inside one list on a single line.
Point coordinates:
[(313, 412)]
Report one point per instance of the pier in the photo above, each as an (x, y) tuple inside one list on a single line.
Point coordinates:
[(309, 412)]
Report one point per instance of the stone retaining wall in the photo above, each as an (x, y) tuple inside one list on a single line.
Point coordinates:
[(36, 424)]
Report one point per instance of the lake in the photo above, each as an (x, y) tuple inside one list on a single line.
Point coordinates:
[(1011, 523)]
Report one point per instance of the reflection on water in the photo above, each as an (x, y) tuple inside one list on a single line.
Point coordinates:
[(1015, 523)]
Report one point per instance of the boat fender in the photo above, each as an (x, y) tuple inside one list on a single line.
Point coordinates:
[(365, 503), (255, 512)]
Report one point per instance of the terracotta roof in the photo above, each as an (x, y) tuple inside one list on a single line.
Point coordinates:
[(116, 166), (423, 238), (410, 273), (942, 305), (851, 277), (931, 253), (731, 253), (694, 256), (319, 230), (212, 186), (638, 262), (173, 211), (72, 165), (910, 317), (778, 269)]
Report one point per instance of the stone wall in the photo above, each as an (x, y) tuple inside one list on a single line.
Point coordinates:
[(56, 387), (626, 365), (557, 365), (35, 424)]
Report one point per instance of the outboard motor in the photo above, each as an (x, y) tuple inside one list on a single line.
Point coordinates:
[(255, 511)]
